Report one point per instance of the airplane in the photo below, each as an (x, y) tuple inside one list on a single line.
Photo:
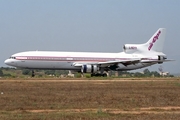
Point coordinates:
[(134, 56)]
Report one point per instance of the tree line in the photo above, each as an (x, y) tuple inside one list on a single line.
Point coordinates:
[(16, 72)]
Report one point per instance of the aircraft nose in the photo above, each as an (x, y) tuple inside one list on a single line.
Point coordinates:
[(8, 62)]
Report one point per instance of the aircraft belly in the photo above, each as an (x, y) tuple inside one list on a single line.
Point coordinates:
[(46, 65)]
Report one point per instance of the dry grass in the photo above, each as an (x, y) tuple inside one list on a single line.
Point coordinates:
[(89, 99)]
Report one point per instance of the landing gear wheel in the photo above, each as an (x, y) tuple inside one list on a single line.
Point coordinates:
[(98, 75), (104, 75), (95, 75), (92, 75)]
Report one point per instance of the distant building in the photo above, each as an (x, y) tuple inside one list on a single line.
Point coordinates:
[(164, 73)]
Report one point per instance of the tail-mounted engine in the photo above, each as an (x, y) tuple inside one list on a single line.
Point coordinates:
[(89, 69), (130, 48), (161, 58)]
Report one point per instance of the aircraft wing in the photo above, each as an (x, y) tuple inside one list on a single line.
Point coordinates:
[(108, 63)]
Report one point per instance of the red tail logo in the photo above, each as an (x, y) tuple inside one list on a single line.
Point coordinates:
[(155, 38)]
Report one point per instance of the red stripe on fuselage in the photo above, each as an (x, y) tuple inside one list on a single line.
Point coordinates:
[(46, 58), (87, 59)]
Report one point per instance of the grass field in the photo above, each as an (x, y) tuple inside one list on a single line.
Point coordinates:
[(36, 99)]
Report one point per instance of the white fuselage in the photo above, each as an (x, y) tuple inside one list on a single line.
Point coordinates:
[(66, 60)]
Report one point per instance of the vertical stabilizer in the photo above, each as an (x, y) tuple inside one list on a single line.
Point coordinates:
[(156, 42)]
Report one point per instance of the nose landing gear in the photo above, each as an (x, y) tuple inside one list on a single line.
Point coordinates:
[(33, 74)]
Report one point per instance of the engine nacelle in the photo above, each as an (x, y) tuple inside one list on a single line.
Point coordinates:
[(130, 48), (89, 69), (161, 58)]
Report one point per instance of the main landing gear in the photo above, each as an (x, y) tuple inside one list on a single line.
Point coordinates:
[(98, 75)]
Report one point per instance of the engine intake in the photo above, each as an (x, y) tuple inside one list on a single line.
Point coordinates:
[(130, 48), (89, 69)]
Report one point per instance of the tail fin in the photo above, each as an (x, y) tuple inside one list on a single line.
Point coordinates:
[(156, 42)]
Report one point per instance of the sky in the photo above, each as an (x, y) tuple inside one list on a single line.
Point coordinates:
[(88, 26)]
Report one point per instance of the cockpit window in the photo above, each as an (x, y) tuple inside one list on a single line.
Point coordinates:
[(12, 57)]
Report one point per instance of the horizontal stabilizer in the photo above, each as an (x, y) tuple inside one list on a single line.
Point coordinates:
[(156, 61)]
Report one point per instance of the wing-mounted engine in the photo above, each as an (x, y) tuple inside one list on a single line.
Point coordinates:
[(130, 48), (89, 68)]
